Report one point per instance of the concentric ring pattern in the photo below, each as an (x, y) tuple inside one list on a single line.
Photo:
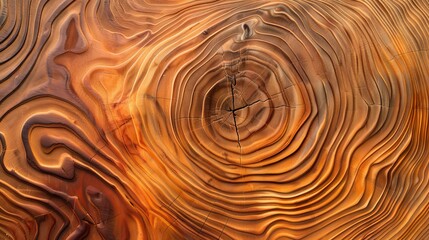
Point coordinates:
[(214, 119)]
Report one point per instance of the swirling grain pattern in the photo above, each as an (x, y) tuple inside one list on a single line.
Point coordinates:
[(176, 119)]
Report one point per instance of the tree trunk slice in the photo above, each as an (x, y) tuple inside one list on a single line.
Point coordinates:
[(214, 119)]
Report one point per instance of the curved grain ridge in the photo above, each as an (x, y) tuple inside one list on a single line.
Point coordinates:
[(214, 119)]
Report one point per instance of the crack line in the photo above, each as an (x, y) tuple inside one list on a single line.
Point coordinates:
[(234, 115)]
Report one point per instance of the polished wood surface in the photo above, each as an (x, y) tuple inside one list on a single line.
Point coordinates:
[(144, 119)]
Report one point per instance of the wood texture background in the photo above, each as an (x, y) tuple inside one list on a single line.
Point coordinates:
[(144, 119)]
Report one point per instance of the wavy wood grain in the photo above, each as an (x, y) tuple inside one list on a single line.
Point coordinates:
[(214, 119)]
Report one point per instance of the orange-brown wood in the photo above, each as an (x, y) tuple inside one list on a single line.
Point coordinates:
[(139, 119)]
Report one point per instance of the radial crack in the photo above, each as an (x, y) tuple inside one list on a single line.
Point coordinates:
[(249, 104), (233, 81)]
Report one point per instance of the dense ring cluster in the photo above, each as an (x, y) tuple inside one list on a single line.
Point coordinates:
[(214, 119)]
